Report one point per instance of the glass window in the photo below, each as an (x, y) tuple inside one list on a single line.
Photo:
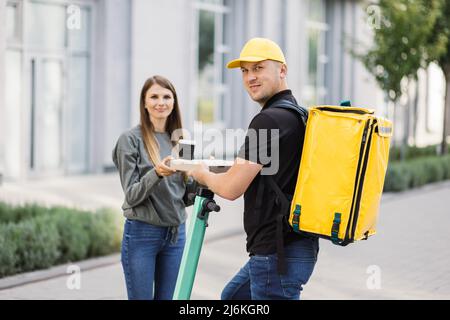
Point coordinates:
[(314, 91), (46, 25), (12, 21), (313, 43), (49, 116), (13, 93), (316, 10), (219, 2), (77, 113), (211, 52), (79, 32), (205, 106)]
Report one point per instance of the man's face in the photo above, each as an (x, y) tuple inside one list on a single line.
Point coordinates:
[(263, 79)]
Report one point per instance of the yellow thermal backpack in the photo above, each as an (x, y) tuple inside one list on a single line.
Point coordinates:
[(341, 176)]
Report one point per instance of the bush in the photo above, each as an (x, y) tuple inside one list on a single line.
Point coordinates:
[(36, 243), (103, 233), (5, 212), (415, 173), (8, 257), (446, 165), (20, 213), (413, 152), (74, 236), (397, 178), (34, 237)]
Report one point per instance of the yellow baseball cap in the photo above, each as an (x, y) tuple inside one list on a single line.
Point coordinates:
[(258, 49)]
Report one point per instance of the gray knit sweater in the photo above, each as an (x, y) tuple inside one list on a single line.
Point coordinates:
[(148, 198)]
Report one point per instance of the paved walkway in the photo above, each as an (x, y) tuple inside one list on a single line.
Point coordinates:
[(407, 259)]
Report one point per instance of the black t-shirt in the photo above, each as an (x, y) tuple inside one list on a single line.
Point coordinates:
[(260, 225)]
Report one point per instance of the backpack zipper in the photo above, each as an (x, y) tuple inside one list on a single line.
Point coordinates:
[(356, 186), (344, 110), (361, 183)]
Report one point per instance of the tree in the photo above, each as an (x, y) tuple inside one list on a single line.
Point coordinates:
[(442, 27), (410, 35)]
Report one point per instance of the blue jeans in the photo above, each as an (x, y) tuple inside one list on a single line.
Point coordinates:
[(259, 279), (150, 262)]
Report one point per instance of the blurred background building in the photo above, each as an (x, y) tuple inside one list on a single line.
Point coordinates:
[(71, 71)]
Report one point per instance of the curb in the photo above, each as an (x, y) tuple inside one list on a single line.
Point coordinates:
[(57, 271)]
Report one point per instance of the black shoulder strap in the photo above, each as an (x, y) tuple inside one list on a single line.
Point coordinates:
[(287, 104), (282, 198)]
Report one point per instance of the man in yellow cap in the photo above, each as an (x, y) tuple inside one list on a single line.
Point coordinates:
[(281, 261)]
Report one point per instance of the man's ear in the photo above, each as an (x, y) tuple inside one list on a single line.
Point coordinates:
[(283, 71)]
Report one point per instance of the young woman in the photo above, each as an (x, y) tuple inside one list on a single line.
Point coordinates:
[(154, 206)]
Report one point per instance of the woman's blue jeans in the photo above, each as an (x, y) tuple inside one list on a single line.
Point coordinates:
[(150, 262), (259, 279)]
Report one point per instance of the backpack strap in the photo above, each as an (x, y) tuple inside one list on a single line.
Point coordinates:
[(284, 199), (284, 202), (289, 105)]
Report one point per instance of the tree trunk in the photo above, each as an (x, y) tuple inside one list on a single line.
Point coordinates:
[(416, 111), (393, 104), (406, 123), (444, 145)]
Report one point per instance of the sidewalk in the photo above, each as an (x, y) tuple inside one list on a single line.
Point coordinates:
[(411, 252)]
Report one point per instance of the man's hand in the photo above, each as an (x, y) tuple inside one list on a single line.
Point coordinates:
[(199, 172), (231, 184), (162, 168)]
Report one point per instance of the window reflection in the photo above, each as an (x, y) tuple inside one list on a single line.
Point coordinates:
[(13, 93), (79, 38), (49, 117), (46, 25), (205, 105), (12, 22), (211, 50), (77, 113), (314, 91)]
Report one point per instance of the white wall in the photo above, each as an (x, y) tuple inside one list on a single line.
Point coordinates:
[(162, 33), (117, 81), (12, 156), (2, 85)]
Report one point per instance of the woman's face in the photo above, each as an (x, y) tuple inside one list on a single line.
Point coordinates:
[(159, 102)]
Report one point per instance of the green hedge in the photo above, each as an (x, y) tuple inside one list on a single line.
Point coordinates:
[(413, 152), (33, 237), (417, 172)]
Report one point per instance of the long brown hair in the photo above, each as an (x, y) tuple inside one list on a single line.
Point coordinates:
[(173, 121)]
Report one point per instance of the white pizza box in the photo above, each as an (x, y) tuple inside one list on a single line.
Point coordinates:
[(215, 165)]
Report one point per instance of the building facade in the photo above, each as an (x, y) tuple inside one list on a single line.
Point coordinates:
[(71, 71)]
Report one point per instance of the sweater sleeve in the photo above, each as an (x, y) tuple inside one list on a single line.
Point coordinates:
[(125, 157)]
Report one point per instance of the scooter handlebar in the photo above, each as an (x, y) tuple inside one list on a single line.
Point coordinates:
[(212, 206)]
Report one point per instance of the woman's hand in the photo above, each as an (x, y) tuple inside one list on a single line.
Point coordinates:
[(162, 169)]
